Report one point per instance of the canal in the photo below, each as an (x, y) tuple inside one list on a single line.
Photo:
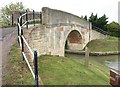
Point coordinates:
[(111, 61)]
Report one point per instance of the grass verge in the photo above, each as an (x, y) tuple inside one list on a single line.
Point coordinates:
[(55, 70), (18, 72)]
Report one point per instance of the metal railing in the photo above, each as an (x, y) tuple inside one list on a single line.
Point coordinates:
[(99, 30), (22, 41)]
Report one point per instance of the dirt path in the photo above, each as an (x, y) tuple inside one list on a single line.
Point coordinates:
[(7, 38)]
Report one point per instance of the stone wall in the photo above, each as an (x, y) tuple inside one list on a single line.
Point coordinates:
[(53, 16), (51, 40), (61, 27), (97, 35)]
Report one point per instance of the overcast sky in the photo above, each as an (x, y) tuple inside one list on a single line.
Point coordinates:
[(77, 7)]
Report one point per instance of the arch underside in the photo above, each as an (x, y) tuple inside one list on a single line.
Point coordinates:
[(74, 41)]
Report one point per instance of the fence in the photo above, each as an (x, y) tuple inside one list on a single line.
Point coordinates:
[(114, 78), (99, 30), (16, 14), (22, 41)]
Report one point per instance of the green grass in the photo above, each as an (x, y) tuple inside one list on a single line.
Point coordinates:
[(18, 72), (103, 45), (56, 70)]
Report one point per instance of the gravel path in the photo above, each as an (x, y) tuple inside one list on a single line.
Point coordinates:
[(7, 38)]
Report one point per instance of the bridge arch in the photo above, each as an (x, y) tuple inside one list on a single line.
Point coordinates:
[(73, 40)]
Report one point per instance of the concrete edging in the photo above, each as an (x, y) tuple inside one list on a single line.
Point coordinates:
[(94, 53)]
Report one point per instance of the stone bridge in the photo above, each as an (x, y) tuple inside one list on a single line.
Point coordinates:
[(61, 30)]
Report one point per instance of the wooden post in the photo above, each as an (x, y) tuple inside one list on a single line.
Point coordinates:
[(86, 56)]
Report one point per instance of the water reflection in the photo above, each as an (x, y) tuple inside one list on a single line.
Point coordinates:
[(114, 65)]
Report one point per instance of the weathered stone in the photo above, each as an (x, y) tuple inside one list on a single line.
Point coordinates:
[(62, 28)]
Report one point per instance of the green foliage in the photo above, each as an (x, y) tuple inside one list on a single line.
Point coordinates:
[(100, 22), (93, 18), (7, 11), (114, 29), (4, 22), (36, 22)]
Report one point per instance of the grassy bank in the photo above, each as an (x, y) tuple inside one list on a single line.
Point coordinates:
[(18, 72), (56, 70), (68, 70), (104, 45)]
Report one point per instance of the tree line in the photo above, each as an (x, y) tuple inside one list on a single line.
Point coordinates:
[(112, 28)]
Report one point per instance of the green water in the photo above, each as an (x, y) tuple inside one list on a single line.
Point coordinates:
[(110, 61)]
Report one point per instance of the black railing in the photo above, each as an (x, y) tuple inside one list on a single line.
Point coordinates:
[(22, 41), (99, 30)]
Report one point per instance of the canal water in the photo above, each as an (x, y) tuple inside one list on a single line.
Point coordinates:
[(111, 61), (114, 65)]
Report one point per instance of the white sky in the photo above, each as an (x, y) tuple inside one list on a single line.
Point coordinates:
[(77, 7)]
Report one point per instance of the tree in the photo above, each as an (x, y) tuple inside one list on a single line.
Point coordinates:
[(93, 18), (7, 11), (114, 29), (100, 22)]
